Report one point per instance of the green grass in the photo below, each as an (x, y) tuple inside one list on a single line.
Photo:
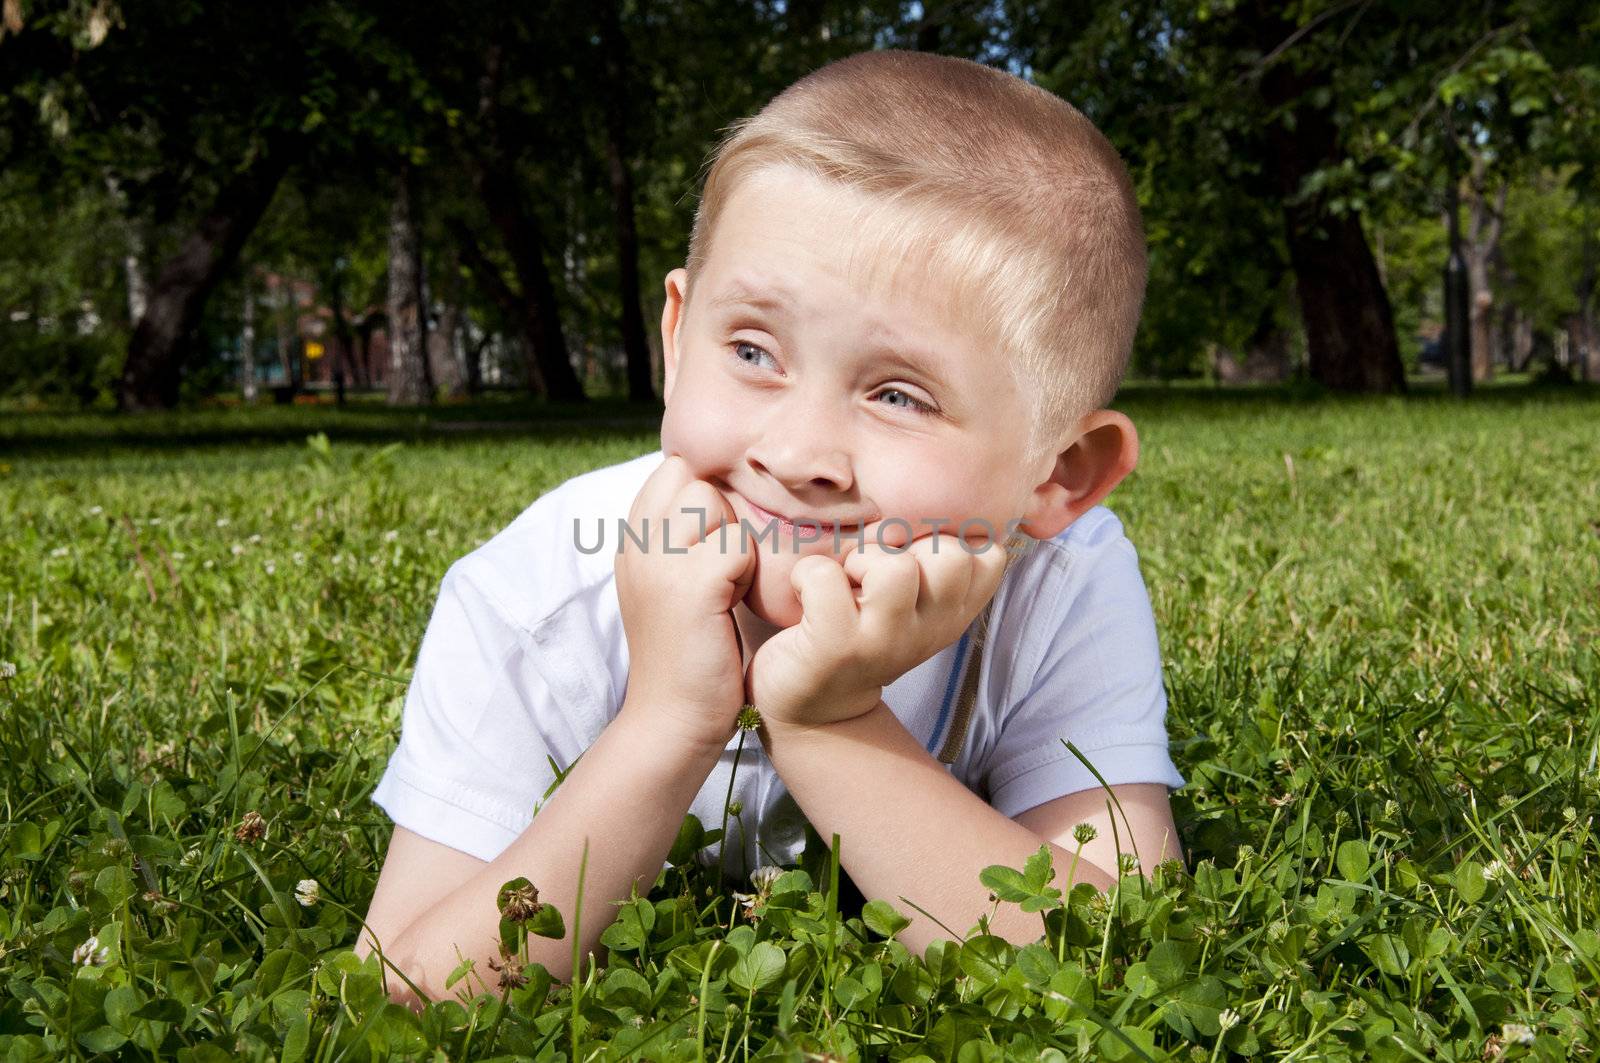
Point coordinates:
[(1380, 621)]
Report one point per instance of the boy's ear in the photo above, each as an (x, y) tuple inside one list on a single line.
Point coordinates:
[(1104, 449), (671, 324)]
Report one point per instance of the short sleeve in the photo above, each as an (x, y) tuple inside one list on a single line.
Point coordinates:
[(1098, 685), (478, 726)]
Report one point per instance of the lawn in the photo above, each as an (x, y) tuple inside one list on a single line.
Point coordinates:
[(1380, 621)]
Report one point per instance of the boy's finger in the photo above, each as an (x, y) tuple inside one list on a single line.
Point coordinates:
[(937, 548), (658, 490), (889, 592), (877, 540), (694, 514), (826, 600)]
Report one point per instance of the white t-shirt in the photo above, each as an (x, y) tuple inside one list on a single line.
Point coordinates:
[(525, 660)]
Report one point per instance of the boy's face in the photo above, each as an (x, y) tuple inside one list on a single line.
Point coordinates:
[(796, 387)]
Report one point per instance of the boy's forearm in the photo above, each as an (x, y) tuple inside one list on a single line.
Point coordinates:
[(627, 796), (907, 827)]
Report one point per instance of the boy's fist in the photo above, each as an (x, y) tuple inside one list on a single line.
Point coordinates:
[(676, 594), (867, 622)]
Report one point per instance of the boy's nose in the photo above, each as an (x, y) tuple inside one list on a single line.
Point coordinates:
[(803, 451)]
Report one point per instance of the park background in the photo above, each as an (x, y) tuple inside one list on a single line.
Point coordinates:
[(299, 303)]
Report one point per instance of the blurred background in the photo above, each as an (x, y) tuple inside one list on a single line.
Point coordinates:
[(324, 201)]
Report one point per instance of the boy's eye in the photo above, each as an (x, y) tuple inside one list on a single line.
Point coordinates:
[(915, 405), (739, 347)]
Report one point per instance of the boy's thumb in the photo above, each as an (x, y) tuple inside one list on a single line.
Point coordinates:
[(734, 558)]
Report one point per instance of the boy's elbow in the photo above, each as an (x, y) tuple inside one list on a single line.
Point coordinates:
[(404, 981)]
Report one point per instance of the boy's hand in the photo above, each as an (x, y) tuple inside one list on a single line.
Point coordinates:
[(685, 669), (867, 622)]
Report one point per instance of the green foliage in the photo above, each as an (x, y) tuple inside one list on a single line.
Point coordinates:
[(63, 302), (1378, 620)]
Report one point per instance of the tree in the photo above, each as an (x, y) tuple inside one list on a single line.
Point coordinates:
[(617, 88), (410, 378), (1239, 105), (157, 351)]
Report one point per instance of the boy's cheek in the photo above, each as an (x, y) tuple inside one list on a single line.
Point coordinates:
[(771, 597)]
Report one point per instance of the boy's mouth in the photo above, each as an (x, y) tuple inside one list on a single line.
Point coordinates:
[(801, 529)]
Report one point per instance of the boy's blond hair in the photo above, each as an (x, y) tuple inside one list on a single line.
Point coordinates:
[(998, 188)]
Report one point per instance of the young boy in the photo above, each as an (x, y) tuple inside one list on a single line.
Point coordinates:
[(912, 286)]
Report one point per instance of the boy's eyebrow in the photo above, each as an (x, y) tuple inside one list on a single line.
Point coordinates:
[(883, 342), (890, 346), (772, 298)]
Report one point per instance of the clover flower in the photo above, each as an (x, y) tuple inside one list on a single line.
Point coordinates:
[(252, 828), (1084, 833), (762, 878), (8, 670), (1517, 1033), (91, 953), (159, 903), (307, 892), (520, 904), (1227, 1018), (512, 971), (749, 718)]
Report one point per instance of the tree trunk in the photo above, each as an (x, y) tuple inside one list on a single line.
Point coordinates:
[(1584, 346), (342, 345), (446, 361), (616, 89), (1521, 340), (1348, 320), (472, 353), (364, 329), (154, 367), (519, 229), (407, 377), (133, 258), (247, 344), (285, 321), (1457, 350), (450, 362), (513, 307), (1483, 237), (1584, 287), (133, 270)]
